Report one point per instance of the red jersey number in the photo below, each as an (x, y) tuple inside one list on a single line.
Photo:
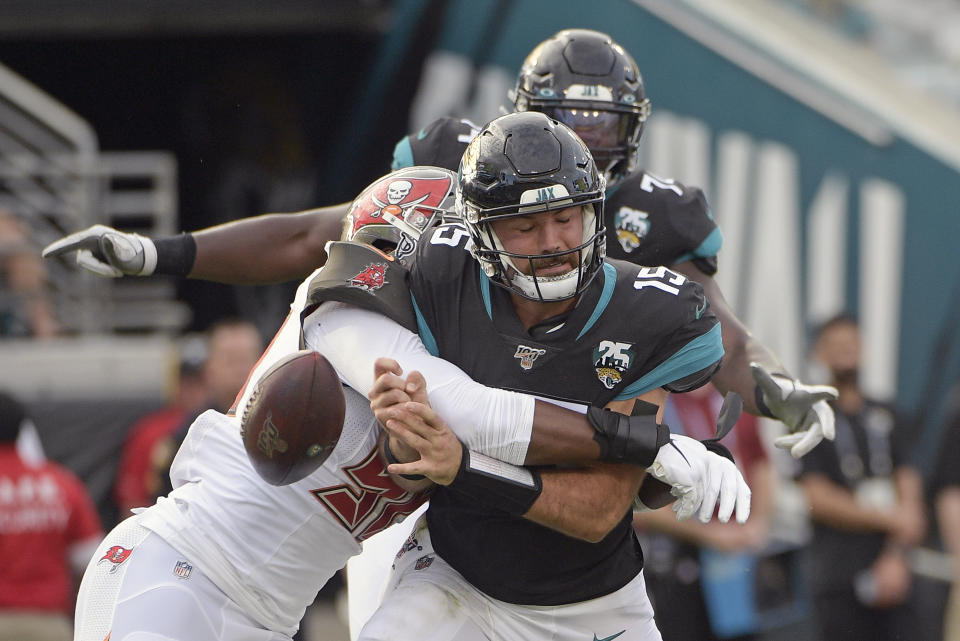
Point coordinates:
[(372, 503)]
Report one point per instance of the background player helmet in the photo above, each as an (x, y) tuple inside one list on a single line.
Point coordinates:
[(394, 210), (521, 164), (590, 83)]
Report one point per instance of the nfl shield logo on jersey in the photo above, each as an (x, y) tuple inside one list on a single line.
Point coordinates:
[(527, 355), (611, 359), (631, 225), (183, 569)]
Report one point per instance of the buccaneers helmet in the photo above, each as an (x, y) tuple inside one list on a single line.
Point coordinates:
[(521, 164), (393, 211), (590, 83)]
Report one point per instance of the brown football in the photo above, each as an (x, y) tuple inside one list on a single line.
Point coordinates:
[(293, 418), (654, 493)]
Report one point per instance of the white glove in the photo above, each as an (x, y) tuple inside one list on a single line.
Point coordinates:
[(802, 408), (698, 477), (107, 252)]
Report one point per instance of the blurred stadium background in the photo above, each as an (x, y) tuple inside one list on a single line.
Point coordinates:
[(826, 134)]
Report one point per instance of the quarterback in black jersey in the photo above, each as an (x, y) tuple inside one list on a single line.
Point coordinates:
[(519, 294), (587, 81), (583, 79)]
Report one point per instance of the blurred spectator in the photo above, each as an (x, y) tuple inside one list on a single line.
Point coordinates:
[(48, 530), (682, 554), (946, 492), (233, 348), (137, 484), (866, 505), (25, 309)]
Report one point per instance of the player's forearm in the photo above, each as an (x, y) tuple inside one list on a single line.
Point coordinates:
[(266, 249), (763, 483), (664, 520), (560, 436), (836, 507), (505, 425), (948, 516), (911, 506), (741, 349), (586, 503), (739, 346)]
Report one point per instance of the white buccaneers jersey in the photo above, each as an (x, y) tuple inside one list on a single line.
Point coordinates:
[(271, 548)]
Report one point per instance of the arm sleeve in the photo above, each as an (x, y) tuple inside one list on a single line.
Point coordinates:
[(496, 422)]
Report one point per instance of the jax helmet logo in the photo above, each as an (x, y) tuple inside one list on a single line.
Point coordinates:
[(527, 355), (115, 556), (611, 359), (372, 278), (631, 226)]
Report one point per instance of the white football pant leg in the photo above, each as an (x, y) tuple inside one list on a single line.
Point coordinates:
[(427, 600), (369, 571), (138, 588)]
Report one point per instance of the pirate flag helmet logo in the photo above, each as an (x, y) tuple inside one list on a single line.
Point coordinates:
[(393, 211)]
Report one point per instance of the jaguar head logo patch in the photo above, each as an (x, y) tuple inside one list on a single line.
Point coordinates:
[(611, 359), (631, 226)]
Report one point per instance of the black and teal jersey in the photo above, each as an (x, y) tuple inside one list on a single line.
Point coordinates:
[(634, 329), (439, 144), (649, 220), (658, 221)]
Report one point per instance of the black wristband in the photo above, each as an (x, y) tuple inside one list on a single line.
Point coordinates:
[(628, 439), (391, 459), (761, 405), (175, 254), (501, 485)]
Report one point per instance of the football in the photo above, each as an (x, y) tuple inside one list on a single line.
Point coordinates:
[(654, 493), (294, 417)]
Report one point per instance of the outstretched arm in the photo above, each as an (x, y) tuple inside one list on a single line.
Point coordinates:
[(267, 249), (496, 422), (585, 503), (767, 388), (263, 249), (739, 346)]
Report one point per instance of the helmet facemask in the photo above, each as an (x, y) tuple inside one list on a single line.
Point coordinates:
[(508, 268), (585, 80)]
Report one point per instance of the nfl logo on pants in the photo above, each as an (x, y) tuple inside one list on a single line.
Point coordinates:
[(183, 569)]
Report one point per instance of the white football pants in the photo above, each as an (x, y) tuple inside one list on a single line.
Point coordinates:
[(138, 588), (427, 600)]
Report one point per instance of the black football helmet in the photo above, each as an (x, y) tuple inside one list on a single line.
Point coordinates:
[(590, 83), (522, 164)]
